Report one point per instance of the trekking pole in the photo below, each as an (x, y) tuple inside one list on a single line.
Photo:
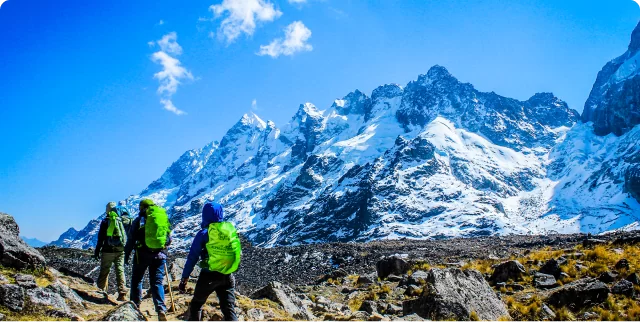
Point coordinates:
[(173, 304)]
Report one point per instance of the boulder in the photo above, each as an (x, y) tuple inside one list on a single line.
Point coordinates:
[(417, 278), (623, 287), (510, 270), (622, 264), (26, 280), (70, 296), (12, 297), (255, 315), (544, 281), (125, 312), (410, 317), (68, 272), (369, 306), (2, 317), (516, 287), (14, 252), (366, 280), (454, 294), (581, 293), (551, 267), (284, 295), (633, 278), (546, 313), (3, 279), (581, 268), (394, 278), (393, 309), (413, 290), (46, 299), (607, 277), (391, 265)]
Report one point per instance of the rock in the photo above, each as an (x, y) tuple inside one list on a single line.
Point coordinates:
[(410, 317), (623, 287), (14, 252), (561, 261), (2, 317), (581, 293), (3, 279), (394, 278), (176, 267), (417, 278), (391, 265), (576, 255), (547, 313), (125, 312), (581, 268), (376, 317), (71, 273), (511, 270), (46, 299), (413, 290), (622, 264), (618, 251), (607, 277), (369, 306), (12, 297), (551, 267), (366, 280), (285, 296), (255, 315), (337, 274), (633, 278), (26, 280), (589, 316), (454, 294), (67, 293), (593, 242), (515, 287), (393, 309)]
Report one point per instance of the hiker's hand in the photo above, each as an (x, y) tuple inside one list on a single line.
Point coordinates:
[(183, 285)]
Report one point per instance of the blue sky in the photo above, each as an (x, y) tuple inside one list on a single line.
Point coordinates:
[(84, 121)]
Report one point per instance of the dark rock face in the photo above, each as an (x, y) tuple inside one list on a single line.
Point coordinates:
[(366, 280), (634, 278), (511, 270), (125, 312), (632, 181), (284, 295), (544, 281), (623, 287), (607, 277), (583, 292), (391, 265), (14, 252), (552, 267), (12, 297), (622, 264), (614, 103), (369, 306), (454, 294)]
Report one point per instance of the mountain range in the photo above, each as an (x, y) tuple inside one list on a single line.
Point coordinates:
[(435, 158)]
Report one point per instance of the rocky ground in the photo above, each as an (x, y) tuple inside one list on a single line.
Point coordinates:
[(560, 277)]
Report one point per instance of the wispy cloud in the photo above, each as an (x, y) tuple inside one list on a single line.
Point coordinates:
[(295, 40), (637, 1), (297, 1), (254, 104), (241, 16), (2, 2), (172, 70), (161, 22)]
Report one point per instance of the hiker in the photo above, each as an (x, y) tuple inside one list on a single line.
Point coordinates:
[(150, 235), (218, 246), (112, 238)]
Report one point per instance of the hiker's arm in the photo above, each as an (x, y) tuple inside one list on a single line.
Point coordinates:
[(194, 253), (101, 236)]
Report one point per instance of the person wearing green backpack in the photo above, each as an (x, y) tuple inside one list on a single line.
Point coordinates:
[(218, 246), (149, 236), (112, 238)]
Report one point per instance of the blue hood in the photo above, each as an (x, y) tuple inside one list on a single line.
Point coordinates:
[(212, 212)]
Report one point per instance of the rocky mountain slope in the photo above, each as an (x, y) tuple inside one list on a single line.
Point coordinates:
[(433, 159)]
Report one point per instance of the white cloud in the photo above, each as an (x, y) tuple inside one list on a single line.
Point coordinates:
[(254, 104), (295, 40), (161, 22), (172, 70), (2, 2), (169, 44), (297, 1), (637, 1), (241, 16), (168, 105)]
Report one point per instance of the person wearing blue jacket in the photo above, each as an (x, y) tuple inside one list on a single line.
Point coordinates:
[(216, 265)]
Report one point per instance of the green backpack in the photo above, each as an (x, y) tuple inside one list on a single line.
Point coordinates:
[(156, 228), (223, 248), (116, 232)]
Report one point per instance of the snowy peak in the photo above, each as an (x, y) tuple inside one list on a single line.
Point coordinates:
[(614, 103), (354, 103), (387, 91)]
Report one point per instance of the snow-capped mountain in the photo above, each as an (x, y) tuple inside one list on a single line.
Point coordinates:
[(436, 158)]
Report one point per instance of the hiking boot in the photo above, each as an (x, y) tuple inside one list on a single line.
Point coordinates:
[(162, 316), (122, 297)]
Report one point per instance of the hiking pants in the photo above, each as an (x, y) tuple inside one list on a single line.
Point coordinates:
[(156, 276), (106, 261), (223, 285)]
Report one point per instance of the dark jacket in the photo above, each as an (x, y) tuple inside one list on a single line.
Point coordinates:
[(136, 241), (102, 246), (211, 213)]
